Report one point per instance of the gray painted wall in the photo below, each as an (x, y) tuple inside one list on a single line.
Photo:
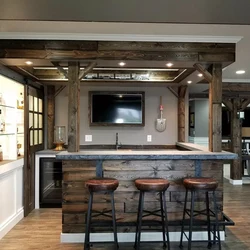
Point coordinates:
[(165, 11), (201, 118), (127, 135), (200, 109)]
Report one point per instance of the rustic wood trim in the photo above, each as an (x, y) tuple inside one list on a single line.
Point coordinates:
[(236, 141), (59, 90), (228, 104), (181, 113), (215, 109), (244, 104), (50, 116), (73, 107), (203, 71), (173, 91), (88, 69), (61, 69)]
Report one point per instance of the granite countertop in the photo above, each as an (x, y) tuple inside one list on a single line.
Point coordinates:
[(194, 153)]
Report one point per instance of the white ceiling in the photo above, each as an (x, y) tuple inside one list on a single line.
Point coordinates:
[(239, 34)]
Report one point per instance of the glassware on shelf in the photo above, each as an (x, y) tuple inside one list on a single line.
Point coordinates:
[(20, 101), (2, 122), (19, 145), (59, 137)]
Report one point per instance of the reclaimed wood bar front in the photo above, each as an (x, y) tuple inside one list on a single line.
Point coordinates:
[(126, 166)]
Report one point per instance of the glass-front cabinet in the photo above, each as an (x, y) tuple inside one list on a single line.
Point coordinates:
[(11, 119)]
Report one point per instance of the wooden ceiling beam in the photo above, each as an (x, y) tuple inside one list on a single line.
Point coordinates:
[(60, 68), (88, 69), (116, 45), (204, 72), (228, 104), (69, 55), (244, 104)]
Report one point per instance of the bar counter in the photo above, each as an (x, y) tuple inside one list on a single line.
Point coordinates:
[(187, 160)]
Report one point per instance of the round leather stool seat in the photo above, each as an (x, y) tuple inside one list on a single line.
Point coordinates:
[(200, 183), (102, 184), (152, 184)]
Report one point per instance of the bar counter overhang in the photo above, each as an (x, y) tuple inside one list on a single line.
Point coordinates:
[(126, 165)]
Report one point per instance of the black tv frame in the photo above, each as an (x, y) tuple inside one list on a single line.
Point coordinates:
[(91, 123)]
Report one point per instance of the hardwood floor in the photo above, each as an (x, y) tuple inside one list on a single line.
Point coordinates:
[(42, 228)]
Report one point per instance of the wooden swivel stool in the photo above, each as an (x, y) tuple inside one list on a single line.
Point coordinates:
[(152, 185), (207, 185), (100, 185)]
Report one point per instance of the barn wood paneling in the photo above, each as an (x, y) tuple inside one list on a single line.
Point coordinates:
[(75, 194)]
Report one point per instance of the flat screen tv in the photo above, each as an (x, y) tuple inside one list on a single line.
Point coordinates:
[(116, 108)]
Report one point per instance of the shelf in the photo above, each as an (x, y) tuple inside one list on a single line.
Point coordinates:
[(6, 106), (6, 133)]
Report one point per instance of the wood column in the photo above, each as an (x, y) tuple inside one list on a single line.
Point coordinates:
[(181, 113), (236, 143), (73, 107), (50, 116), (215, 109)]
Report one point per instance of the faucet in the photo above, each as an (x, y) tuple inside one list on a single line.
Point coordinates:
[(117, 144)]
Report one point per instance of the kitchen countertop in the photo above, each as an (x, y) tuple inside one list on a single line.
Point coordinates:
[(194, 152)]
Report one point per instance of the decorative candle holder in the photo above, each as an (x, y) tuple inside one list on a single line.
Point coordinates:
[(59, 137)]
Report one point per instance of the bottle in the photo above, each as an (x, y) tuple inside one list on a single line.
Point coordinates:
[(2, 123), (1, 153), (20, 101)]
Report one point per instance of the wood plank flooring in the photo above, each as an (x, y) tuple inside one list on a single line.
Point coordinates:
[(42, 228)]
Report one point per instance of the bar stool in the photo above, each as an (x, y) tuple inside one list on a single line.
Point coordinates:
[(207, 185), (100, 185), (152, 185)]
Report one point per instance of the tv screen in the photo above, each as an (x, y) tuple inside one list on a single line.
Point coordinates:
[(116, 108)]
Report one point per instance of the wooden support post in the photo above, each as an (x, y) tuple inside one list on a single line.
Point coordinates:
[(215, 109), (74, 107), (50, 116), (181, 113), (236, 143)]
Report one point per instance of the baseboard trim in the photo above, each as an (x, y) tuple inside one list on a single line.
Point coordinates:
[(236, 182), (9, 224), (130, 237)]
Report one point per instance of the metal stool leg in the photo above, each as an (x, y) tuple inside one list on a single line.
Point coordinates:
[(216, 220), (163, 221), (208, 222), (166, 220), (191, 220), (87, 230), (137, 223), (183, 219), (114, 220), (140, 220)]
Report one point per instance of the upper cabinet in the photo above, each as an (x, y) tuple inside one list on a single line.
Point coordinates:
[(11, 118)]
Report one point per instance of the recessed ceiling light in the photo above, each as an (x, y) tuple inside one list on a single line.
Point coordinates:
[(239, 72), (200, 75), (169, 64), (122, 63), (189, 82), (29, 62)]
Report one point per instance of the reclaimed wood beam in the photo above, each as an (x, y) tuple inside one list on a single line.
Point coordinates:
[(181, 113), (117, 45), (203, 71), (244, 104), (59, 90), (228, 104), (236, 87), (173, 91), (236, 141), (88, 69), (73, 107), (50, 116), (61, 69), (215, 109), (52, 54)]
